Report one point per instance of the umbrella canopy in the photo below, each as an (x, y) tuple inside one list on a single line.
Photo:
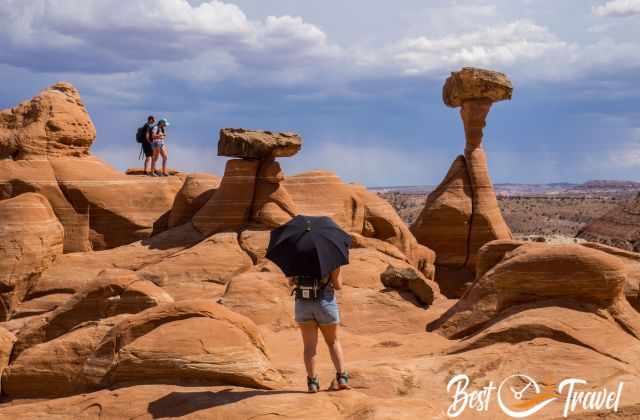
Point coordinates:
[(309, 246)]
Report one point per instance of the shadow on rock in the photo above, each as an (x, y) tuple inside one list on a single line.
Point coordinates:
[(178, 404)]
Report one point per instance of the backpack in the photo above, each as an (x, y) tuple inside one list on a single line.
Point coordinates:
[(309, 288), (141, 134)]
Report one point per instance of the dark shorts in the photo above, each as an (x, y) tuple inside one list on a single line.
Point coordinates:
[(146, 148)]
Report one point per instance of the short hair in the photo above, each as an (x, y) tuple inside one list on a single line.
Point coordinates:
[(151, 117)]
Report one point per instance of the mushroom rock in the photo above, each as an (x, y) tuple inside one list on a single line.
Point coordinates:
[(252, 188), (252, 144), (53, 123), (462, 213), (30, 240), (197, 189)]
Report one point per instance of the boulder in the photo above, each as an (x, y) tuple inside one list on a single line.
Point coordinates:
[(30, 240), (230, 207), (254, 241), (251, 144), (197, 189), (112, 293), (473, 83), (411, 280), (201, 270), (186, 342), (53, 123), (263, 297)]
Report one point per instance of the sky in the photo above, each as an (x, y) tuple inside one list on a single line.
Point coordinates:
[(359, 80)]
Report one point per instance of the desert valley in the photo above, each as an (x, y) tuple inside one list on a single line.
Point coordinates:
[(121, 301)]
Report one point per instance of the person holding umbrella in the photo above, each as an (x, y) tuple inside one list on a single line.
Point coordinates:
[(310, 251)]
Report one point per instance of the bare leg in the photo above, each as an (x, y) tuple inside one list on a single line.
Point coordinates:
[(154, 159), (147, 164), (330, 334), (165, 156), (309, 332)]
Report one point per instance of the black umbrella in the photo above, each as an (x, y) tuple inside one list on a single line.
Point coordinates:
[(309, 246)]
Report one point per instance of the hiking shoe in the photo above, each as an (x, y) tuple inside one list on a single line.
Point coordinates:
[(313, 384), (153, 174), (342, 380), (165, 174)]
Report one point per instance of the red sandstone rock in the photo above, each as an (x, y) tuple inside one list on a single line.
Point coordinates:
[(251, 144), (54, 123), (30, 240), (197, 189)]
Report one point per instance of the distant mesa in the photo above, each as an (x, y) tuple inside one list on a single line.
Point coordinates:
[(254, 144)]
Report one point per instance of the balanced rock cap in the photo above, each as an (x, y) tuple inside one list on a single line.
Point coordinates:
[(472, 83), (250, 144)]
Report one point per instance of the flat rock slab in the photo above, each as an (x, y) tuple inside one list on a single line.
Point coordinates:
[(250, 144), (472, 83)]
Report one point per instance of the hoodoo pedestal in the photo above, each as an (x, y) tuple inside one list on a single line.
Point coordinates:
[(462, 213)]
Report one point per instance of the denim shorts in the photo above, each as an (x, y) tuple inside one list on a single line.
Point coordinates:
[(157, 144), (323, 311)]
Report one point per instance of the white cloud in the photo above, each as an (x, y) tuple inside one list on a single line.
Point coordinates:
[(618, 8), (498, 46)]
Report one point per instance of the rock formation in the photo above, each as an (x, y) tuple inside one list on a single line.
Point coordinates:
[(53, 124), (44, 148), (515, 273), (195, 192), (30, 240), (462, 213), (193, 321)]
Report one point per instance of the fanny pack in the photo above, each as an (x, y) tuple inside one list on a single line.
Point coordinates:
[(309, 288)]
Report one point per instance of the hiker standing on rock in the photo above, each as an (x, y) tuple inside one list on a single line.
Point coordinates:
[(144, 136), (310, 251), (159, 147)]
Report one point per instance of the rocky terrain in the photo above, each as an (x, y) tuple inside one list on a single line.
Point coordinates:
[(540, 210), (117, 303)]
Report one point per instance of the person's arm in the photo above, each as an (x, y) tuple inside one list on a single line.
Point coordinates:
[(336, 279)]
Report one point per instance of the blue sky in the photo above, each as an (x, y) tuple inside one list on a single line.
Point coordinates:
[(359, 80)]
